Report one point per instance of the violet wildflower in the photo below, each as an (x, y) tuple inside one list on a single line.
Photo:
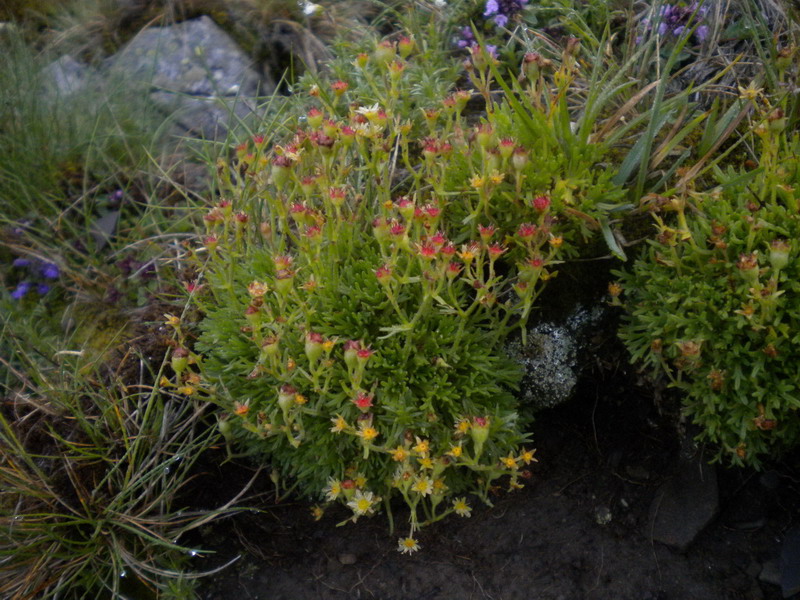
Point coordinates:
[(503, 10), (674, 20), (50, 271), (36, 272), (21, 290), (467, 38)]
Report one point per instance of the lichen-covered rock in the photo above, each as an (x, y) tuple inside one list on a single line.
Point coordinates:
[(196, 68), (551, 357)]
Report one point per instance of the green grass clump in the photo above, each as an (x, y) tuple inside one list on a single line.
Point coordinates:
[(91, 475)]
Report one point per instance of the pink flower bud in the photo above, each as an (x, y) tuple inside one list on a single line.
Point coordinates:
[(486, 231), (313, 346), (526, 231), (406, 46), (314, 117), (506, 147), (351, 348), (286, 395), (363, 401), (519, 158), (384, 274), (339, 87), (541, 203)]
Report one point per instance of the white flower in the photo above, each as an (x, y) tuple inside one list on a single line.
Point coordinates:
[(362, 502), (408, 545)]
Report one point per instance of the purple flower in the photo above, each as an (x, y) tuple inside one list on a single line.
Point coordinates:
[(675, 20), (22, 288), (21, 262), (42, 288), (50, 271), (503, 10)]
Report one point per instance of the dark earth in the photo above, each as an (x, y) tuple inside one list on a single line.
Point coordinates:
[(582, 528)]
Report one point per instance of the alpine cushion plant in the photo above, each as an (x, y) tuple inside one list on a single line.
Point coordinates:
[(714, 303), (360, 282)]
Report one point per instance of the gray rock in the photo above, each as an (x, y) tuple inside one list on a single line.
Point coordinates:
[(770, 573), (551, 357), (193, 67), (66, 76), (684, 504), (790, 563)]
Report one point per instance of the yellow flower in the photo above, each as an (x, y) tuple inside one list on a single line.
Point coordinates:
[(399, 454), (751, 92), (327, 345), (408, 545), (466, 254), (461, 508), (477, 181), (462, 426), (368, 433), (241, 409), (186, 390), (496, 177), (164, 382), (426, 463), (439, 486), (455, 451), (257, 289), (526, 456), (360, 481), (172, 320), (317, 512), (422, 448), (509, 462), (423, 485), (300, 399), (339, 424)]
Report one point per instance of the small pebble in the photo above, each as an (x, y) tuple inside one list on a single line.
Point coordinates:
[(602, 515), (347, 558)]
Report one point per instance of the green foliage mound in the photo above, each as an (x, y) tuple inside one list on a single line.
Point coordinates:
[(362, 276), (715, 302)]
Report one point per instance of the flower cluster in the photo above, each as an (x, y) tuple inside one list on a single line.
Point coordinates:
[(501, 11), (673, 20), (36, 276)]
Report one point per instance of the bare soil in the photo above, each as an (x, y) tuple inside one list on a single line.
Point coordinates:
[(604, 454)]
